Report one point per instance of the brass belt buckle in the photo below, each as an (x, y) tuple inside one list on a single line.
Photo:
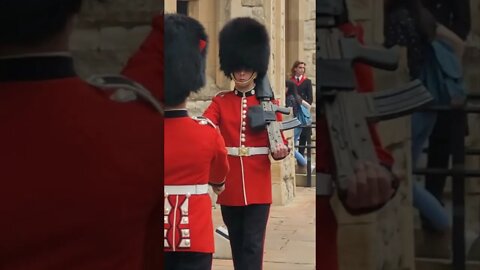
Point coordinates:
[(244, 151)]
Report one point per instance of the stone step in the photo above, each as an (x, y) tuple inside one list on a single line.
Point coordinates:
[(442, 264), (301, 180), (435, 246)]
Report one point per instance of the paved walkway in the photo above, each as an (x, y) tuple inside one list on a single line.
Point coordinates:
[(290, 240)]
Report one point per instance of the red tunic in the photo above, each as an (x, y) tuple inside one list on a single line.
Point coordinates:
[(304, 77), (146, 68), (326, 233), (146, 65), (80, 176), (195, 154), (249, 179)]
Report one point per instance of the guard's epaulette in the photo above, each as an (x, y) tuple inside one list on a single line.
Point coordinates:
[(222, 93), (204, 121), (124, 89)]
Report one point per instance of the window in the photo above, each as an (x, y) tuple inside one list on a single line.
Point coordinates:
[(182, 7)]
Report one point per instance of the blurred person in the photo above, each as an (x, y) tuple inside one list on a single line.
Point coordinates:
[(434, 56), (195, 153), (304, 89), (294, 101), (454, 15), (81, 173)]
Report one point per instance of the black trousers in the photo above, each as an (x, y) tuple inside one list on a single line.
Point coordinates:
[(438, 157), (306, 132), (188, 261), (246, 229), (440, 149)]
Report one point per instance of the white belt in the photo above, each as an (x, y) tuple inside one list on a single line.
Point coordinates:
[(186, 189), (324, 184), (247, 151)]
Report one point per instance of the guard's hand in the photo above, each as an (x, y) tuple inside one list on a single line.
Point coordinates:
[(281, 151), (218, 190), (371, 186)]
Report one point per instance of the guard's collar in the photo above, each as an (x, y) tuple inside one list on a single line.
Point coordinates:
[(244, 94), (35, 67), (176, 113)]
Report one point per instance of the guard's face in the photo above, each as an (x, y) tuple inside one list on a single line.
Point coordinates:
[(300, 69), (243, 75)]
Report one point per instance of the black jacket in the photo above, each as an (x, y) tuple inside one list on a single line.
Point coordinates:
[(305, 91), (454, 14)]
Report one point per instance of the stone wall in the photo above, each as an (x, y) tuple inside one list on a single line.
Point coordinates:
[(108, 33), (300, 16)]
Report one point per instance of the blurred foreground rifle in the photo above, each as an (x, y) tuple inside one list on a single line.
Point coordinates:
[(348, 112), (264, 115)]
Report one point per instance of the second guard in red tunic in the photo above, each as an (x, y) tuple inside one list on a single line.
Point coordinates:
[(195, 153), (250, 177), (245, 203)]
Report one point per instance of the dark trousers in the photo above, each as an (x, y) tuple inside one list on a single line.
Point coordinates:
[(438, 157), (440, 149), (188, 261), (246, 229), (306, 132)]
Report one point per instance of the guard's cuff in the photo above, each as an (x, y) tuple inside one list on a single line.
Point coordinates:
[(217, 184)]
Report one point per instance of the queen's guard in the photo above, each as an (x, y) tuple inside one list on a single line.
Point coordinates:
[(245, 203), (195, 154)]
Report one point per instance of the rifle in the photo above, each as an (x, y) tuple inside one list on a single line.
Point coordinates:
[(347, 112), (264, 115)]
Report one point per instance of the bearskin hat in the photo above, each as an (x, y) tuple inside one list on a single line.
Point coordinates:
[(185, 53), (31, 22), (244, 43)]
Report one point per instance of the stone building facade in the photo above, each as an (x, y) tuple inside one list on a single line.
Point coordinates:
[(291, 26)]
